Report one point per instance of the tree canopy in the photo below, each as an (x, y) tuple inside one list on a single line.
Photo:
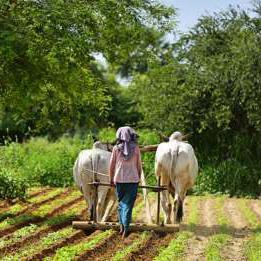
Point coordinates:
[(49, 77)]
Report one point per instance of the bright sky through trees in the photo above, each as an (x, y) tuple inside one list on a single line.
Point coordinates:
[(190, 10)]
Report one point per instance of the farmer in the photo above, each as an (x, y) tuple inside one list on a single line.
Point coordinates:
[(125, 171)]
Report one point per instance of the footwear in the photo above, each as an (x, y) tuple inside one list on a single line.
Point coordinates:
[(121, 229)]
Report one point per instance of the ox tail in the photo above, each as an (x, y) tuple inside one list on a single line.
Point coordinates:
[(175, 183), (180, 210)]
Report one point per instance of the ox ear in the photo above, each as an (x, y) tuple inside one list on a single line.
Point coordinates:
[(166, 139), (163, 137), (109, 146), (95, 138)]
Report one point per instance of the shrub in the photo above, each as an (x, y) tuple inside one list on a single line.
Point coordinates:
[(12, 185)]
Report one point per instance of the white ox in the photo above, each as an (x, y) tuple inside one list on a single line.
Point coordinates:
[(177, 166), (94, 164), (90, 165)]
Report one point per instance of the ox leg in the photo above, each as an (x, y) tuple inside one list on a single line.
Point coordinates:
[(178, 206), (165, 200), (110, 205), (87, 194), (100, 202)]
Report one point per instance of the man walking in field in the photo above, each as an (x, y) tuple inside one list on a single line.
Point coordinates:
[(125, 172)]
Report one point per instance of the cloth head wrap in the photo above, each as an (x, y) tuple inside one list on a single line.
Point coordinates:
[(127, 141)]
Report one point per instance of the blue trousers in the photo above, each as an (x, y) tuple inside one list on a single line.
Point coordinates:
[(126, 194)]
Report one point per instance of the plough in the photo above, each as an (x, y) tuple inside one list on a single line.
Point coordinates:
[(95, 225)]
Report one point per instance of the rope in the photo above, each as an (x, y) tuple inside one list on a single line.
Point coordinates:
[(102, 174)]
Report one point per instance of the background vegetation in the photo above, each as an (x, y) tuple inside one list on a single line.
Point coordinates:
[(206, 83)]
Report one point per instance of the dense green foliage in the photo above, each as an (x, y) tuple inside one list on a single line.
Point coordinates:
[(50, 81), (208, 85)]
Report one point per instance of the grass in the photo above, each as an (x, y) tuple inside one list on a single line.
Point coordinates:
[(253, 247), (121, 255), (137, 209), (70, 252), (215, 245)]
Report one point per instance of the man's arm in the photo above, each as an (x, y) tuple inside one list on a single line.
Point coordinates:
[(112, 166), (139, 164)]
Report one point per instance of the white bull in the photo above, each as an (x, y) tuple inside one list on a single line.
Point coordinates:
[(177, 166), (93, 164)]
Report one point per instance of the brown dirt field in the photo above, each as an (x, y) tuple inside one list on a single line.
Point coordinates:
[(76, 237), (234, 249), (152, 247), (98, 252), (204, 229)]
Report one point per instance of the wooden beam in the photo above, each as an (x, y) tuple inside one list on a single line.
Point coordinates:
[(90, 225), (149, 148), (153, 188)]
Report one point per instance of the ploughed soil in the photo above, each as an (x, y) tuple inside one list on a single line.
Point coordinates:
[(239, 231)]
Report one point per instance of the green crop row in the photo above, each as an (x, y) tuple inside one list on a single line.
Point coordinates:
[(68, 253), (18, 234), (42, 211), (217, 242), (248, 213), (215, 245), (176, 247), (121, 255), (18, 207), (46, 195), (252, 248), (13, 210), (31, 229), (43, 243), (194, 211)]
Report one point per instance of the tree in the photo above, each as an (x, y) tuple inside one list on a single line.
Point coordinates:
[(49, 78)]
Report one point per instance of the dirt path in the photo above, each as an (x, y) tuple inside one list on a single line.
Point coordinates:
[(205, 228), (239, 232)]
